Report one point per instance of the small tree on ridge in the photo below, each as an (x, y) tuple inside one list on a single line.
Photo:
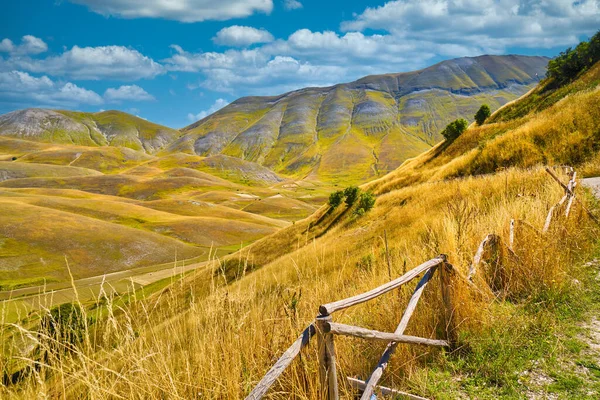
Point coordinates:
[(482, 114), (455, 128)]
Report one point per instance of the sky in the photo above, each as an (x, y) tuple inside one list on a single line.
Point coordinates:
[(176, 61)]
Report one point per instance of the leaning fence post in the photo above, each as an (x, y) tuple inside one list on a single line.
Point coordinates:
[(448, 282), (327, 370)]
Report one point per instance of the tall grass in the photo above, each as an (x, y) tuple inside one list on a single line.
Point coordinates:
[(205, 338)]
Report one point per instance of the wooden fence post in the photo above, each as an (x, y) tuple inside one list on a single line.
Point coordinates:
[(327, 369), (448, 281)]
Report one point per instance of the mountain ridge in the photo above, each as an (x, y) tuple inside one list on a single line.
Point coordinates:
[(104, 128), (345, 133), (373, 124)]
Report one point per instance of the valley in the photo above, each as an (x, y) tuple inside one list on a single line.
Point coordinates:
[(193, 258), (108, 192)]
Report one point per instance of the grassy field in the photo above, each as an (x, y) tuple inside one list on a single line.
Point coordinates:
[(110, 209), (214, 333)]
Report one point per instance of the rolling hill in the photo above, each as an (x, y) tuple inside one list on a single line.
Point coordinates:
[(217, 331), (106, 128), (356, 131)]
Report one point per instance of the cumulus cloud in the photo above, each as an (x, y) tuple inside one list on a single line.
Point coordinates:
[(291, 4), (92, 63), (17, 87), (493, 25), (217, 105), (179, 10), (410, 35), (242, 36), (306, 58), (133, 93), (29, 45)]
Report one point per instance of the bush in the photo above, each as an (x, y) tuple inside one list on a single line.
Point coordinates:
[(351, 194), (571, 62), (455, 128), (335, 199), (482, 114), (365, 203), (65, 323)]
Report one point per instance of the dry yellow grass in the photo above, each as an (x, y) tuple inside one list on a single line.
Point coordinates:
[(204, 338), (214, 334)]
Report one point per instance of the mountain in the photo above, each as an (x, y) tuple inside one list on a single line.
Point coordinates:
[(245, 310), (356, 131), (106, 128)]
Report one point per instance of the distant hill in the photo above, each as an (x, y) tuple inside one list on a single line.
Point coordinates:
[(107, 128), (359, 130)]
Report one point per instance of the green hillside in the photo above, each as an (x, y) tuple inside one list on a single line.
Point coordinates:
[(357, 131), (107, 128)]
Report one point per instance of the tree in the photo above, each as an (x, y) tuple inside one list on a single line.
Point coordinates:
[(571, 62), (454, 129), (351, 194), (366, 202), (482, 114), (335, 198)]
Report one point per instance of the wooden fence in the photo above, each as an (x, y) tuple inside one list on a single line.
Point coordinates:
[(325, 329)]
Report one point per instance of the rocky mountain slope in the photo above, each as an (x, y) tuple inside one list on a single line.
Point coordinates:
[(359, 130), (107, 128)]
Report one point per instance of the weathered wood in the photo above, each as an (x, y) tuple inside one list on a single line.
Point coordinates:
[(564, 198), (363, 333), (448, 282), (327, 367), (360, 385), (511, 241), (569, 206), (548, 219), (557, 179), (490, 241), (391, 347), (330, 308), (588, 212), (284, 361)]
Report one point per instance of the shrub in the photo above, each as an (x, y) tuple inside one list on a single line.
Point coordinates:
[(571, 62), (455, 128), (335, 198), (482, 114), (365, 203), (351, 194), (65, 323)]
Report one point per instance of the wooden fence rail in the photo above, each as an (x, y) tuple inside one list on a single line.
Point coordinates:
[(325, 329)]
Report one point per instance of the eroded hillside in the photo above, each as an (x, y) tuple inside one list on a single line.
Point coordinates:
[(364, 129)]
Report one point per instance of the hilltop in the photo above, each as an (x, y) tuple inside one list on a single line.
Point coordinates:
[(347, 133), (356, 131), (106, 128)]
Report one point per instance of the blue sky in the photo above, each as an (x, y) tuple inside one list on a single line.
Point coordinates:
[(175, 61)]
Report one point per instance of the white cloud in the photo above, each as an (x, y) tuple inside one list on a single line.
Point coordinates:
[(133, 93), (242, 36), (29, 45), (18, 87), (179, 10), (92, 63), (305, 59), (291, 4), (217, 105), (492, 25), (411, 35)]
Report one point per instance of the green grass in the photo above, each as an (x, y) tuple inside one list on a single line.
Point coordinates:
[(541, 350), (11, 284)]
